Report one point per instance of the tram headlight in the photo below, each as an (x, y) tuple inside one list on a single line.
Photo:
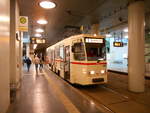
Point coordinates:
[(102, 71), (92, 72)]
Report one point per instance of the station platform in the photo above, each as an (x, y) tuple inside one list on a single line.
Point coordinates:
[(123, 68), (46, 92)]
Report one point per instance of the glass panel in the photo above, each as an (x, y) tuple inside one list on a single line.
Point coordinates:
[(79, 53), (95, 51), (61, 52)]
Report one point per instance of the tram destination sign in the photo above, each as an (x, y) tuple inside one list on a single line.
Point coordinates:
[(93, 40)]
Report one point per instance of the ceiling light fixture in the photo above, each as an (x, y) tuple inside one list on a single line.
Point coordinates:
[(39, 30), (126, 36), (125, 30), (47, 4), (42, 21), (34, 46), (37, 35), (108, 35)]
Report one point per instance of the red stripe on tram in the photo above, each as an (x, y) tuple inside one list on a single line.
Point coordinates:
[(88, 63)]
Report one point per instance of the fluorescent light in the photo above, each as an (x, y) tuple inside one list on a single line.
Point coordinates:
[(4, 19), (39, 30), (47, 4), (125, 30), (38, 35), (42, 21), (108, 35), (34, 46), (126, 36)]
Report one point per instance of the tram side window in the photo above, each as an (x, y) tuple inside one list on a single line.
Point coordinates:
[(78, 50), (61, 52), (57, 53)]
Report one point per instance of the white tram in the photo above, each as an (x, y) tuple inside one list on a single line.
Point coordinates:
[(79, 59)]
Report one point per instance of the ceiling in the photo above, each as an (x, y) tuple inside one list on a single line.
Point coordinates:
[(74, 13)]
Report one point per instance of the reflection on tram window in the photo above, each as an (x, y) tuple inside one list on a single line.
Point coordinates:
[(95, 51), (79, 53)]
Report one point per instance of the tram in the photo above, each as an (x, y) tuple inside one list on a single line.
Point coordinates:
[(79, 59)]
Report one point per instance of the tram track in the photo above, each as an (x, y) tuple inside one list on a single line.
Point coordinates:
[(108, 96), (103, 96), (93, 93)]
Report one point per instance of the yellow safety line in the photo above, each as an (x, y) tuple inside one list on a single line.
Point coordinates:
[(65, 100)]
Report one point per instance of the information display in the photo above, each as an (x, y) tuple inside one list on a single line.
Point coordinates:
[(118, 44), (93, 40), (37, 40)]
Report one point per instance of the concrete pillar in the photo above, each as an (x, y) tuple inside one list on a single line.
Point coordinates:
[(136, 64), (28, 50), (14, 45), (4, 54), (21, 55), (95, 29)]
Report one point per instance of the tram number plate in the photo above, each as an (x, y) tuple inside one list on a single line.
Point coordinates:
[(98, 80)]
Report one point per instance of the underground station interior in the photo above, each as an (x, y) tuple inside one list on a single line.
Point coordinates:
[(74, 56)]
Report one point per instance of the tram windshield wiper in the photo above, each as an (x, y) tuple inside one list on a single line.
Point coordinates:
[(100, 59)]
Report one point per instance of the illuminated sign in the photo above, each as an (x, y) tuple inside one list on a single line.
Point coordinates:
[(40, 41), (37, 40), (118, 44), (93, 40), (23, 23)]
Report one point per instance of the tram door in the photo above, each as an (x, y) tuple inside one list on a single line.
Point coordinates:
[(67, 63)]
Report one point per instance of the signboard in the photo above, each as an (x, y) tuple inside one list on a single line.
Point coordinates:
[(92, 40), (40, 41), (37, 40), (118, 44), (23, 23)]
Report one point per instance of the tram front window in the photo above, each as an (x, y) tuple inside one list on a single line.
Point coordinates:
[(78, 50), (95, 51)]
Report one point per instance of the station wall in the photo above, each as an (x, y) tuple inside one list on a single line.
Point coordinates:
[(4, 54), (117, 56)]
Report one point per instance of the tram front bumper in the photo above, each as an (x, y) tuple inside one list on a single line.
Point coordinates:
[(95, 80)]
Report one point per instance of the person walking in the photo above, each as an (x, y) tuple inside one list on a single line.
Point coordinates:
[(28, 62), (36, 62), (41, 64)]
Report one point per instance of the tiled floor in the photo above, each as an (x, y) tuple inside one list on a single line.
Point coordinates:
[(48, 93)]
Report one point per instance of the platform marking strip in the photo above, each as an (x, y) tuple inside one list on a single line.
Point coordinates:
[(65, 100)]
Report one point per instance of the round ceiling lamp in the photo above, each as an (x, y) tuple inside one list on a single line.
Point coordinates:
[(39, 30), (37, 35), (47, 4), (42, 21)]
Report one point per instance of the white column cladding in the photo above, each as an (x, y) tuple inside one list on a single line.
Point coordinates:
[(28, 50), (14, 45), (13, 59), (4, 55), (136, 63), (20, 54)]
